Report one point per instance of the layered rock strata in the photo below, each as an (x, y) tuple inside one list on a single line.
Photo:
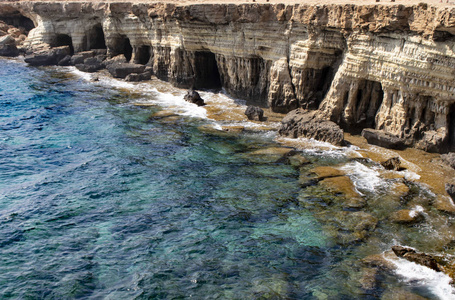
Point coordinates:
[(385, 67)]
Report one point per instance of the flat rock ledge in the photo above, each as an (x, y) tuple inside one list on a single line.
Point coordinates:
[(309, 124)]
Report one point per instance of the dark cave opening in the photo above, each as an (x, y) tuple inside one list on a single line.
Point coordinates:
[(63, 40), (121, 45), (207, 75), (451, 129), (142, 55), (19, 21), (95, 38)]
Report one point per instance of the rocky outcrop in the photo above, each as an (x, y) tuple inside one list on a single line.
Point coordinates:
[(384, 67), (309, 124), (193, 97), (254, 113)]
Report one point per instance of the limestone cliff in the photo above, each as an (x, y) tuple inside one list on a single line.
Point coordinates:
[(387, 67)]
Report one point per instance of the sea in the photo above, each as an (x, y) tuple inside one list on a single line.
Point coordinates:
[(116, 190)]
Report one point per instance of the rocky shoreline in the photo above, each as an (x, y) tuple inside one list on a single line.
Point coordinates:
[(395, 119)]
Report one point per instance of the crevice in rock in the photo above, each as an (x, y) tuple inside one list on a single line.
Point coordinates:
[(451, 125), (121, 45), (95, 38), (142, 55), (367, 99), (19, 21), (63, 40), (206, 71)]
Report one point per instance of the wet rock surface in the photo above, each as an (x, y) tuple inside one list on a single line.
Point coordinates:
[(254, 113), (309, 124), (193, 97), (393, 163), (419, 258), (383, 139)]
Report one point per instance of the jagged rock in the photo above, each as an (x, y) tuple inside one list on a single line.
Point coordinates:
[(308, 124), (8, 46), (79, 58), (91, 64), (449, 159), (407, 216), (193, 97), (121, 70), (254, 113), (381, 138), (48, 57), (139, 77), (433, 141), (392, 164), (119, 59), (66, 61), (419, 258)]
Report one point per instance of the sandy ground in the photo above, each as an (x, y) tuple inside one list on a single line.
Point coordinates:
[(439, 3)]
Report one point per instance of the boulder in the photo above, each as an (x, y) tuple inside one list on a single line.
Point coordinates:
[(309, 124), (119, 59), (419, 258), (139, 77), (79, 57), (66, 61), (383, 139), (449, 159), (8, 46), (48, 57), (121, 70), (450, 189), (392, 164), (433, 141), (91, 64), (193, 97), (254, 113)]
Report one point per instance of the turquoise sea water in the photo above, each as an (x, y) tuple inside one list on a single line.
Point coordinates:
[(100, 200)]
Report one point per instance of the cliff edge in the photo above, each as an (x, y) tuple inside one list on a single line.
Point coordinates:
[(389, 67)]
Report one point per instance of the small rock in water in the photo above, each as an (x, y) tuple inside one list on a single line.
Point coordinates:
[(254, 113), (193, 97), (392, 164), (407, 216)]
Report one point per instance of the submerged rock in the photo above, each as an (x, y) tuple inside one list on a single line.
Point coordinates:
[(254, 113), (342, 185), (309, 124), (380, 138), (407, 216), (193, 97), (347, 227)]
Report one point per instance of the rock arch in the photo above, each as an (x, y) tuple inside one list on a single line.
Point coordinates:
[(63, 40), (120, 44)]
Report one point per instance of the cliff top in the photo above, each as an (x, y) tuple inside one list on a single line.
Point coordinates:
[(439, 3)]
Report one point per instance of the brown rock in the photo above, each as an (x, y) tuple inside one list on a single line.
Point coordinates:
[(344, 186), (419, 258), (392, 164), (406, 216), (327, 172)]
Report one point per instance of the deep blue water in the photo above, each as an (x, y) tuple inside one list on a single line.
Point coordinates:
[(98, 200)]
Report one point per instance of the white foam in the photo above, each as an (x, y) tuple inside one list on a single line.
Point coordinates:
[(416, 211), (364, 178), (437, 283)]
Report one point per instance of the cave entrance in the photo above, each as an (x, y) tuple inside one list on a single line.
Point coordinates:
[(121, 45), (206, 74), (19, 21), (95, 38), (451, 129), (63, 40), (142, 55)]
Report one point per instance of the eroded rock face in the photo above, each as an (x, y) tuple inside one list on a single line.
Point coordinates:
[(309, 124), (384, 67)]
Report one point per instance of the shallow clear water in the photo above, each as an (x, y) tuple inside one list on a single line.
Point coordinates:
[(99, 200)]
